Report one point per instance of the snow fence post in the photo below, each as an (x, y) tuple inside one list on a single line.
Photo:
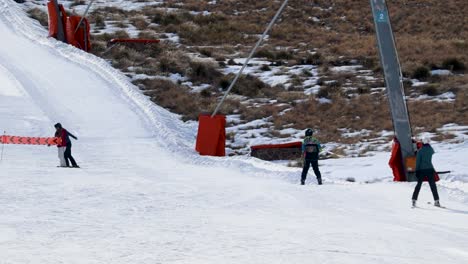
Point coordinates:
[(3, 144)]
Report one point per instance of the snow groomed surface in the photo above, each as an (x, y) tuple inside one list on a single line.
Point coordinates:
[(144, 196)]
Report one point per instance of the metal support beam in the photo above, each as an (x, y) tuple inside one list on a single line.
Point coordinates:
[(393, 79), (60, 29)]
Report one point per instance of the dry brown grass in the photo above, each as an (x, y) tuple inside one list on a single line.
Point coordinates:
[(248, 85), (372, 113), (342, 113), (428, 35), (254, 113), (40, 16), (175, 98)]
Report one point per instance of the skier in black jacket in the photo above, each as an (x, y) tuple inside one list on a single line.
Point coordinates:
[(310, 150), (65, 136)]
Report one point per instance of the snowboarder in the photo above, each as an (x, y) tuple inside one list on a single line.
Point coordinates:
[(424, 168), (310, 150), (65, 136)]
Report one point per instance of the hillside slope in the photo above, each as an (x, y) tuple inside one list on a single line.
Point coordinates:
[(144, 196)]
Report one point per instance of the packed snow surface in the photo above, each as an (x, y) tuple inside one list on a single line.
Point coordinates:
[(143, 195)]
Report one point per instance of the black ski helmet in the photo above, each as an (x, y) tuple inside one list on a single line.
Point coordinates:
[(58, 125), (309, 132)]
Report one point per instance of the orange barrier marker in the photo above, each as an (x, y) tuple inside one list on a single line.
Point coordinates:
[(79, 38), (6, 139), (211, 137)]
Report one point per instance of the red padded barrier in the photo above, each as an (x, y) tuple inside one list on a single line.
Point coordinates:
[(142, 41), (80, 39), (396, 162), (53, 28), (211, 137), (283, 145)]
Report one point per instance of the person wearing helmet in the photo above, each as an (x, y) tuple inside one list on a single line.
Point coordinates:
[(65, 136), (425, 169), (310, 150)]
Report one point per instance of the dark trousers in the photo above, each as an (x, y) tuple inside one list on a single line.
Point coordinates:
[(305, 169), (68, 156), (420, 174)]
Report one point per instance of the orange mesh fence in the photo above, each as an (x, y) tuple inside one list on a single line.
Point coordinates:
[(6, 139)]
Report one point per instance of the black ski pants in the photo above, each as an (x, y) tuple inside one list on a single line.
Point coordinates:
[(68, 156), (429, 173), (305, 169)]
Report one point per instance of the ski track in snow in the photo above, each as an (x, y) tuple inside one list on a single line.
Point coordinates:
[(144, 195)]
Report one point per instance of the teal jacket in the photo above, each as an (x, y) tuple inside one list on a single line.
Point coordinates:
[(311, 141), (424, 158)]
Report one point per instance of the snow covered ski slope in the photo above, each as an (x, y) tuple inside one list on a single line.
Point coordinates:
[(144, 196)]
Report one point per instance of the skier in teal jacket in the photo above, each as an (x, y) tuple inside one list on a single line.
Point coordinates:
[(424, 168), (310, 150)]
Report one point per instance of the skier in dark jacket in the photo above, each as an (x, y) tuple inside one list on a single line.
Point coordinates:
[(310, 150), (424, 168), (65, 136)]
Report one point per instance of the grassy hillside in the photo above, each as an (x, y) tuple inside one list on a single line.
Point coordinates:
[(298, 79)]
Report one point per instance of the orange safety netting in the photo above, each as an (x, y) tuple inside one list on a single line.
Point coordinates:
[(30, 140)]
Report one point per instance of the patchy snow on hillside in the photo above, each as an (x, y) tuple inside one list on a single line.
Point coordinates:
[(143, 194), (271, 74)]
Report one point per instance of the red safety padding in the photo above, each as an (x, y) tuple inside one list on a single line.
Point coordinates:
[(142, 41), (284, 145), (81, 39), (53, 28), (211, 137), (6, 139), (396, 162)]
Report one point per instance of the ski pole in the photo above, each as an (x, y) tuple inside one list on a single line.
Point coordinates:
[(443, 172)]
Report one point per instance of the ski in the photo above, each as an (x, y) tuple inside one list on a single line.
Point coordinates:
[(443, 207)]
